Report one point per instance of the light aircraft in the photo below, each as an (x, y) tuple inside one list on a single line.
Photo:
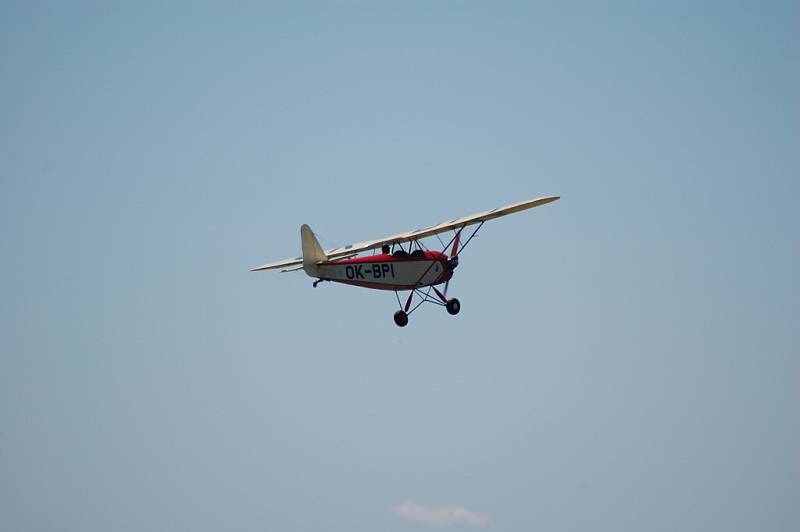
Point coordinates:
[(395, 267)]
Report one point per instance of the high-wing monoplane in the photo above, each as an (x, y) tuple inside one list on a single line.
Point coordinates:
[(404, 261)]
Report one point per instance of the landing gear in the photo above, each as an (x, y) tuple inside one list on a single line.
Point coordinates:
[(453, 306), (401, 318)]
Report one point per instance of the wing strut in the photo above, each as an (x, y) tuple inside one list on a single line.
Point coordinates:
[(473, 235)]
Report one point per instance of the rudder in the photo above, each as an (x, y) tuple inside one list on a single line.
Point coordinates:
[(312, 251)]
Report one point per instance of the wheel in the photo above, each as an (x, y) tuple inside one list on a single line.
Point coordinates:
[(401, 318), (453, 306)]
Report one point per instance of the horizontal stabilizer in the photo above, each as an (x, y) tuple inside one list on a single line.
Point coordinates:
[(278, 264)]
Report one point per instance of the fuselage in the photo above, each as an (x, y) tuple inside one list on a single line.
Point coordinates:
[(390, 272)]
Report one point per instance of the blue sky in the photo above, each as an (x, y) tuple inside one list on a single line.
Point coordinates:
[(625, 358)]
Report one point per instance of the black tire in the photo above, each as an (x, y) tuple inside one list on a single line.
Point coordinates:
[(401, 318), (453, 306)]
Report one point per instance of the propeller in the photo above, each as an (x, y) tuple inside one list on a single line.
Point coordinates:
[(456, 242), (453, 259)]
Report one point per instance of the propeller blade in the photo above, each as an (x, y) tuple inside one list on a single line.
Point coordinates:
[(408, 301), (453, 259), (456, 242)]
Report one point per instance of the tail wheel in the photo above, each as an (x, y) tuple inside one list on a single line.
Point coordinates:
[(453, 307), (401, 318)]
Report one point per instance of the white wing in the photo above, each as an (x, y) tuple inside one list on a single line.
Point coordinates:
[(354, 249), (439, 228)]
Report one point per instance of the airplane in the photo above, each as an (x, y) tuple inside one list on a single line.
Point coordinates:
[(417, 269)]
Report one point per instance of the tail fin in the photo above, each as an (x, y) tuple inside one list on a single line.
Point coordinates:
[(312, 251)]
